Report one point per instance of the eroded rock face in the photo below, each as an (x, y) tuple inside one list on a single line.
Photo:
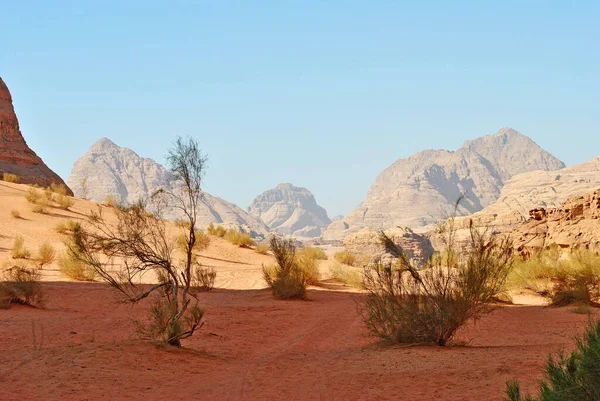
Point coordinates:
[(423, 188), (290, 210), (15, 156), (111, 171), (575, 224), (366, 245)]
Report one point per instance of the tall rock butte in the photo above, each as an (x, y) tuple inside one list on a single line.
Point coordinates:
[(422, 189), (111, 171), (290, 210), (15, 156)]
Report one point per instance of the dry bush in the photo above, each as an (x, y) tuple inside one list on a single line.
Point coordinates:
[(64, 202), (46, 254), (59, 189), (70, 266), (407, 305), (286, 279), (33, 195), (201, 241), (318, 253), (345, 258), (19, 251), (347, 275), (308, 263), (8, 177), (242, 240), (218, 231), (20, 284), (110, 201), (15, 214), (204, 278), (67, 227), (262, 248)]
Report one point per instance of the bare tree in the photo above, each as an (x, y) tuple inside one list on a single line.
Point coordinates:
[(139, 243)]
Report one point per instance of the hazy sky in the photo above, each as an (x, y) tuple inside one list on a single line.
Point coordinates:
[(322, 94)]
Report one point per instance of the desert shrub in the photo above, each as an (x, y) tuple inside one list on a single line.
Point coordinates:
[(64, 202), (15, 214), (285, 278), (407, 305), (20, 284), (262, 248), (202, 241), (8, 177), (70, 266), (19, 251), (572, 378), (204, 278), (345, 258), (345, 274), (33, 195), (308, 263), (242, 240), (46, 254), (59, 189), (67, 227), (318, 253), (217, 231), (110, 201)]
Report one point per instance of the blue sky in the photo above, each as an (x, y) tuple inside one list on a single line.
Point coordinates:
[(322, 94)]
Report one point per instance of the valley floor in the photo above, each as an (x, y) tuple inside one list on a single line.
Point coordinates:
[(253, 347)]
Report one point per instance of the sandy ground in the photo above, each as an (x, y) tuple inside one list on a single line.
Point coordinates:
[(253, 347)]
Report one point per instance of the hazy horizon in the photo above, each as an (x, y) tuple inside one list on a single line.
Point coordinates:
[(324, 96)]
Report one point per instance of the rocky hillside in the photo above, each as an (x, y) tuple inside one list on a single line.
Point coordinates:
[(108, 170), (291, 211), (15, 156), (422, 189)]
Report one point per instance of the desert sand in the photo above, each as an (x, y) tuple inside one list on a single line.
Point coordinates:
[(83, 344)]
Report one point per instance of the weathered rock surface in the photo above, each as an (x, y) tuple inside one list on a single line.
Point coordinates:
[(111, 171), (15, 156), (575, 224), (366, 245), (290, 210), (423, 188)]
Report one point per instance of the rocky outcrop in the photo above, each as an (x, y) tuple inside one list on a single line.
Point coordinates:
[(109, 171), (366, 245), (575, 224), (15, 156), (290, 210)]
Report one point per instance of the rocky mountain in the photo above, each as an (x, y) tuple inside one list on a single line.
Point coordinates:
[(15, 156), (108, 170), (291, 211), (422, 189)]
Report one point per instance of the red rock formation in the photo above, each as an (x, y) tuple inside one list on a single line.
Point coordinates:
[(15, 156)]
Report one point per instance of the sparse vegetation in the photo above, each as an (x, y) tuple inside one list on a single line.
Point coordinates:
[(67, 227), (347, 275), (8, 177), (20, 284), (407, 305), (317, 252), (140, 243), (33, 195), (286, 279), (308, 263), (15, 214), (572, 378), (204, 278), (262, 248), (217, 231), (110, 201), (345, 258), (70, 266), (18, 250), (64, 202), (46, 254), (242, 240)]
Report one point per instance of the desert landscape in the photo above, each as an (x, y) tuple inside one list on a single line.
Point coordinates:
[(294, 202)]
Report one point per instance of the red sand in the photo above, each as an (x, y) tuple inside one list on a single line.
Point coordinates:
[(253, 347)]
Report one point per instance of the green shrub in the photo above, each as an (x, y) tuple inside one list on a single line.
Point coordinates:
[(19, 284), (286, 279), (19, 251), (345, 274), (72, 268), (202, 242), (572, 378), (8, 177), (262, 248), (345, 258)]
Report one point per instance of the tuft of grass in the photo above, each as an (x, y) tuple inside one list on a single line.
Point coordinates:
[(242, 240), (15, 214), (346, 275), (20, 284), (19, 251), (59, 189), (67, 227), (345, 258), (46, 254), (74, 269), (262, 248), (317, 252), (33, 195), (217, 231), (204, 278), (286, 279), (308, 263), (8, 177), (64, 202)]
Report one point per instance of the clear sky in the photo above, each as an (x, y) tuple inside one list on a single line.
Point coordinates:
[(322, 94)]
